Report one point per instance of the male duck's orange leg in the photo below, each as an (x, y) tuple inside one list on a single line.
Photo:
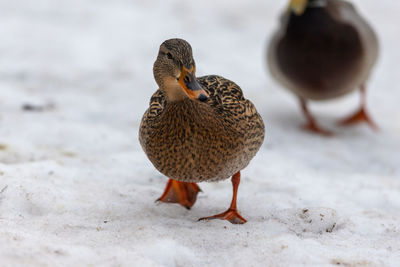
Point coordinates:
[(231, 214), (361, 115), (312, 125), (180, 192)]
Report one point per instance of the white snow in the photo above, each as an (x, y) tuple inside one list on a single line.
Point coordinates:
[(76, 188)]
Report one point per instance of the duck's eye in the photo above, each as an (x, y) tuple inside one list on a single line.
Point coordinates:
[(169, 55)]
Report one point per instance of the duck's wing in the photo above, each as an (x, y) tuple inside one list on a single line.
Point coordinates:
[(157, 104)]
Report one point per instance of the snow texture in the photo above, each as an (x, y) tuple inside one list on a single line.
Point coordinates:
[(77, 190)]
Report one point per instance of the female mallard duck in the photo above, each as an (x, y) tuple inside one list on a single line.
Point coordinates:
[(323, 49), (197, 129)]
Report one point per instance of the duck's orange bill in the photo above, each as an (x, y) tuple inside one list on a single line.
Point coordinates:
[(191, 86)]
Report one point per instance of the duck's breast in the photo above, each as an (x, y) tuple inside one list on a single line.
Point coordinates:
[(191, 143)]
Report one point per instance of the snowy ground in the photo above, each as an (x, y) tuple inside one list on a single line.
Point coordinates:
[(76, 188)]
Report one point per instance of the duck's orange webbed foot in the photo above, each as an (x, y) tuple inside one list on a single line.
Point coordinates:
[(358, 117), (361, 115), (312, 125), (315, 128), (180, 192), (230, 215)]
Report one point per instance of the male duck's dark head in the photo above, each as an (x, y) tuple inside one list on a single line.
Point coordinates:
[(174, 71)]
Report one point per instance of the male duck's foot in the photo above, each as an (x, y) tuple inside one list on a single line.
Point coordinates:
[(315, 128), (230, 215), (358, 117), (311, 125), (180, 192)]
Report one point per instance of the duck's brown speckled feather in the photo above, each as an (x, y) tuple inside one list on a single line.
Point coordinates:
[(192, 141)]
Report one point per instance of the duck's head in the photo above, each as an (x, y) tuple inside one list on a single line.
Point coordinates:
[(174, 71), (298, 7)]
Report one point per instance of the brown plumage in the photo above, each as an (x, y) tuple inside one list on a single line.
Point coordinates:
[(206, 134), (323, 51)]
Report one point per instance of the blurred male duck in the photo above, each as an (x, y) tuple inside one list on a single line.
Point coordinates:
[(324, 49)]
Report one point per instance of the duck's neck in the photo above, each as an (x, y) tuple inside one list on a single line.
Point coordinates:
[(175, 95), (173, 90), (313, 20)]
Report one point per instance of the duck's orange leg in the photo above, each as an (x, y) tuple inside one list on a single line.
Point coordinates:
[(180, 192), (231, 214), (311, 124), (361, 115)]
